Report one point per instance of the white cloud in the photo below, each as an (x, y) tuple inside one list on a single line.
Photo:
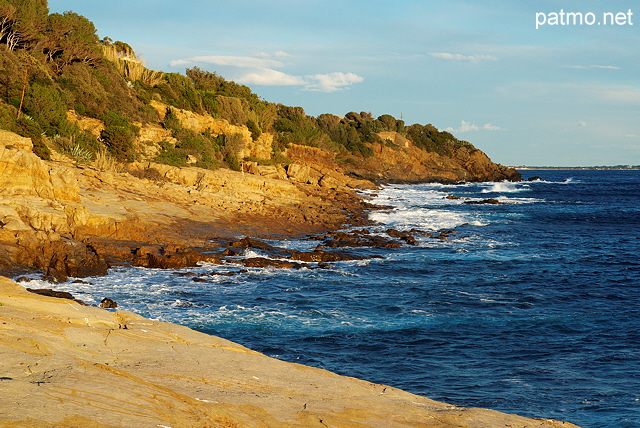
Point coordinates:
[(586, 67), (332, 82), (269, 77), (468, 127), (229, 60), (459, 57), (260, 69)]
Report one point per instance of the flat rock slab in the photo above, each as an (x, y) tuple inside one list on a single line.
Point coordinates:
[(67, 365)]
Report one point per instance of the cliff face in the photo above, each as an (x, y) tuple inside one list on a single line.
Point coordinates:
[(399, 160)]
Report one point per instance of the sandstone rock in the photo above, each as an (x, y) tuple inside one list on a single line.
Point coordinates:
[(24, 173), (334, 180), (80, 366), (14, 140), (298, 173), (95, 126)]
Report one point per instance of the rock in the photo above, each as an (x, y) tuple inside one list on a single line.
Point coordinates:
[(57, 294), (74, 366), (257, 244), (452, 197), (298, 172), (489, 201), (317, 256), (535, 178), (24, 173), (108, 303), (261, 262), (75, 259)]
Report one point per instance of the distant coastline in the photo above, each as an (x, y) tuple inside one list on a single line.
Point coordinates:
[(615, 167)]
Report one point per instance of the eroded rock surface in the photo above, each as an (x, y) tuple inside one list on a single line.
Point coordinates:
[(68, 365)]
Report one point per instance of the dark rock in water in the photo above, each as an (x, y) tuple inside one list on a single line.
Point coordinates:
[(230, 252), (53, 293), (361, 238), (489, 201), (410, 240), (452, 197), (227, 273), (261, 262), (260, 245), (76, 259), (394, 233), (108, 303), (251, 243), (317, 256), (534, 178), (163, 258)]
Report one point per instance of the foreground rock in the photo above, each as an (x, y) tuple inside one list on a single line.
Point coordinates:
[(67, 365)]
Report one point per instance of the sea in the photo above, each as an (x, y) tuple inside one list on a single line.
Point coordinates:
[(531, 307)]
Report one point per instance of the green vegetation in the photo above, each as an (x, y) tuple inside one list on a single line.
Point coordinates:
[(54, 63)]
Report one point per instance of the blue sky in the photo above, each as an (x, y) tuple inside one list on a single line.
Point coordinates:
[(558, 95)]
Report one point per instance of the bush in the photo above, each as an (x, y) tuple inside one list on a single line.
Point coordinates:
[(45, 104), (118, 136), (31, 129)]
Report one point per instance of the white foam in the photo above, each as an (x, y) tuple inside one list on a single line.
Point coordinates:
[(506, 187)]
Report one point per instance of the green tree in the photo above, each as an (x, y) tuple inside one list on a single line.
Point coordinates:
[(70, 38)]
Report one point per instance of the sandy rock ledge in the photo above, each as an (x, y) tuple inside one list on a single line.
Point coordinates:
[(67, 365)]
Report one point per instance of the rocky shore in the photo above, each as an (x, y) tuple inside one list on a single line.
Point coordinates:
[(75, 220), (68, 365)]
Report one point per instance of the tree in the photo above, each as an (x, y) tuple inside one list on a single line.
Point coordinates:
[(70, 38), (21, 22)]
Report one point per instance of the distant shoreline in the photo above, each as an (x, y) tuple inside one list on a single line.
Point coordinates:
[(612, 168)]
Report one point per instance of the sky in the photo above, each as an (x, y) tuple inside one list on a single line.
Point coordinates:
[(566, 93)]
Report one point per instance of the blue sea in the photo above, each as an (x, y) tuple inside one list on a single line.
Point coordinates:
[(531, 307)]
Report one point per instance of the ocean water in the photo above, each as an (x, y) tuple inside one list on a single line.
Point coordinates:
[(532, 307)]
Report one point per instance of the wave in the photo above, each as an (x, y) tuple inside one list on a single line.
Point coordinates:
[(506, 187), (421, 218)]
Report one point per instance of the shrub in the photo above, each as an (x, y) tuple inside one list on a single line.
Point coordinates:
[(31, 129), (118, 136)]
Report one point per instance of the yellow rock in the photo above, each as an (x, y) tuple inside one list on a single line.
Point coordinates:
[(68, 365)]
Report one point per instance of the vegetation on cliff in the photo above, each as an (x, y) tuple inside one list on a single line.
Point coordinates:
[(54, 68)]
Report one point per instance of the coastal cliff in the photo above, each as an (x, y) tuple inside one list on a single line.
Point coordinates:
[(68, 365)]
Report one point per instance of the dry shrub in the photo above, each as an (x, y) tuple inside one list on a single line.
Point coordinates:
[(105, 162)]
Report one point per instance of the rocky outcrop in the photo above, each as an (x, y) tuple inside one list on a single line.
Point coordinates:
[(76, 221), (311, 165), (397, 159), (68, 365)]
